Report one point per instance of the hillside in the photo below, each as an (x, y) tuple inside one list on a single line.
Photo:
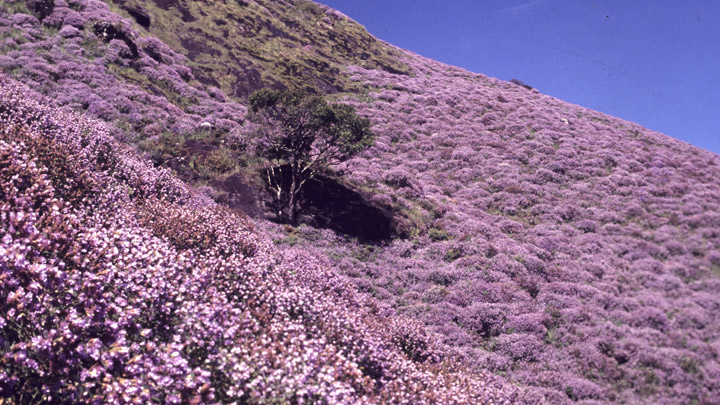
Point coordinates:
[(121, 284), (568, 250), (570, 253), (242, 46)]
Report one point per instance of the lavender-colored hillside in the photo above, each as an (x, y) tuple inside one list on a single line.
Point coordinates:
[(119, 284), (570, 251), (80, 55), (545, 253)]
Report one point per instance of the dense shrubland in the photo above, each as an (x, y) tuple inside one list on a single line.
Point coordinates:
[(78, 55), (565, 250), (118, 283)]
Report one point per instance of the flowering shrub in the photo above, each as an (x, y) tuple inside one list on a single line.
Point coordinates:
[(574, 253), (120, 284)]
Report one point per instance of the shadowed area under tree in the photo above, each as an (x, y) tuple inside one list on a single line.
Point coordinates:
[(327, 203)]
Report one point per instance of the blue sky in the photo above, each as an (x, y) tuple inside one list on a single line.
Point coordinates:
[(656, 63)]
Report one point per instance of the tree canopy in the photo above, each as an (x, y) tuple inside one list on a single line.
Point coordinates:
[(300, 135)]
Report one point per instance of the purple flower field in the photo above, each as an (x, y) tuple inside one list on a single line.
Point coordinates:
[(548, 253), (571, 252), (118, 283), (70, 58)]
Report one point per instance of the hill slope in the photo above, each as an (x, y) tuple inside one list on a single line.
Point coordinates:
[(242, 46), (573, 253), (567, 249), (121, 284)]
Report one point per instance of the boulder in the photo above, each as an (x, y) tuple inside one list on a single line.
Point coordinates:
[(40, 8)]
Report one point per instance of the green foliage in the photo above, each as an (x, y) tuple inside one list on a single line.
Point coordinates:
[(570, 392), (690, 365), (220, 161), (17, 7), (437, 235), (294, 123), (453, 254), (163, 148), (299, 136), (366, 253), (309, 7)]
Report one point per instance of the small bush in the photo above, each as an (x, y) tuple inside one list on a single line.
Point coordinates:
[(437, 235)]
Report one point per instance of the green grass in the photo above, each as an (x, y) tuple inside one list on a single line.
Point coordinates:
[(283, 46)]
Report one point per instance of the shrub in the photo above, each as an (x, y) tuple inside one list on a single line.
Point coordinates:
[(437, 235)]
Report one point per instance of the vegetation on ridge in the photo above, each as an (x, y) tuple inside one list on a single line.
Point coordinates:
[(243, 46)]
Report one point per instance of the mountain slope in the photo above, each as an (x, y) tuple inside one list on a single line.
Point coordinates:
[(571, 252), (121, 284), (242, 46)]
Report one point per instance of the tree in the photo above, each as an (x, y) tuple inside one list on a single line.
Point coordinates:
[(299, 136)]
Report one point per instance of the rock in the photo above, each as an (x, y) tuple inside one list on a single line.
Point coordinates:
[(138, 13), (41, 8)]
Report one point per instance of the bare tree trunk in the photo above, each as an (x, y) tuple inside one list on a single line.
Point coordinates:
[(274, 178), (288, 212), (292, 203)]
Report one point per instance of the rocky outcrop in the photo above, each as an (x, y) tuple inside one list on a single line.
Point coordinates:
[(137, 12)]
